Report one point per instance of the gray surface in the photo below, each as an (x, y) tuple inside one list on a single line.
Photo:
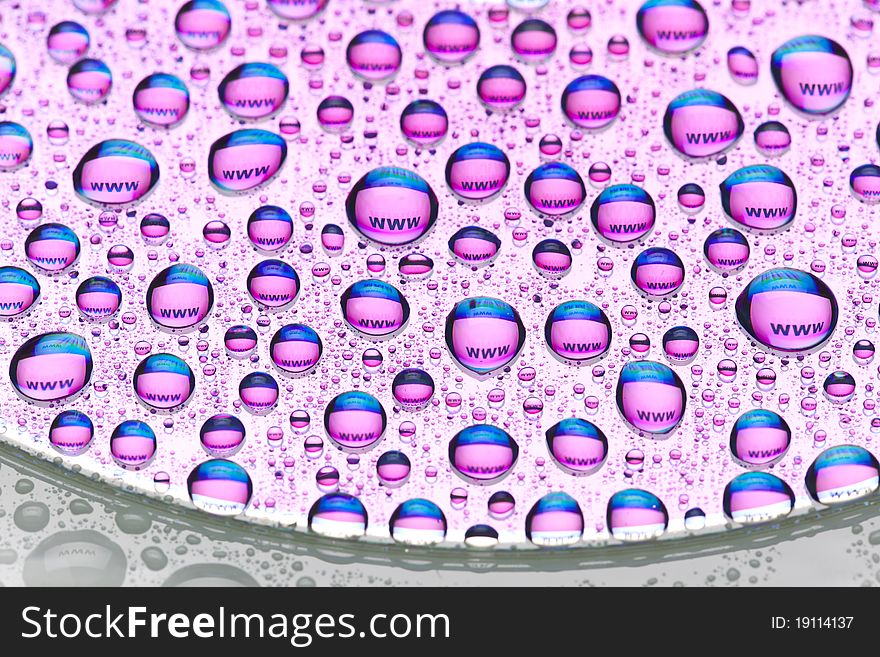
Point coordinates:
[(62, 528)]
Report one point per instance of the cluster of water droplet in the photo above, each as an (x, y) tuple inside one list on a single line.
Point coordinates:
[(406, 270)]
